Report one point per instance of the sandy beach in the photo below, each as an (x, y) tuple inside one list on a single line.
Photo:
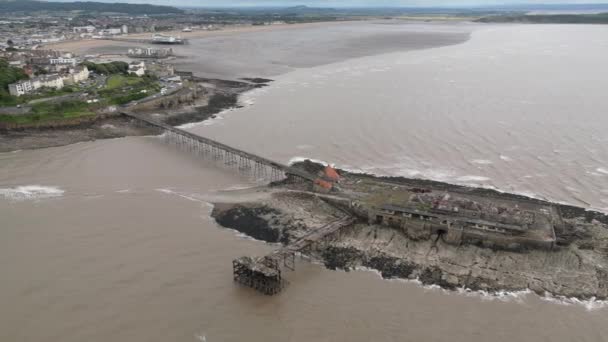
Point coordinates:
[(81, 46)]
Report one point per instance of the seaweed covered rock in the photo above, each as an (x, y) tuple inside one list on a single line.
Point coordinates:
[(341, 257), (390, 267), (254, 222)]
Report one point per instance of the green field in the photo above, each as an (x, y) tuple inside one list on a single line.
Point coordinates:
[(48, 112), (120, 81), (122, 89), (9, 101)]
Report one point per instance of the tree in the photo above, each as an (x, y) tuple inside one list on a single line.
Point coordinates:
[(9, 74)]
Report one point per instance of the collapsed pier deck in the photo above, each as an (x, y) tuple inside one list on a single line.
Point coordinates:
[(265, 275)]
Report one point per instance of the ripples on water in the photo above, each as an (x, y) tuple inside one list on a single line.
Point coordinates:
[(116, 243), (516, 108)]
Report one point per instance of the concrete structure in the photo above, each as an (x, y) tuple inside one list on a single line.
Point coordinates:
[(514, 228)]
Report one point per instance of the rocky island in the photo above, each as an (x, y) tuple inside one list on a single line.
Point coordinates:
[(442, 234)]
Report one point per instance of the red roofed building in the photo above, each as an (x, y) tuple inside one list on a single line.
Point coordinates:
[(322, 186), (331, 174)]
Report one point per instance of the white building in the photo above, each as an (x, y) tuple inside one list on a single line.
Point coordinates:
[(80, 74), (137, 68), (50, 81), (27, 86), (84, 29), (63, 61), (110, 31), (125, 29), (150, 52), (137, 71), (21, 88), (76, 75)]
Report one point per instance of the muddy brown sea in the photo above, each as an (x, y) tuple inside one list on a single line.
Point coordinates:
[(112, 241)]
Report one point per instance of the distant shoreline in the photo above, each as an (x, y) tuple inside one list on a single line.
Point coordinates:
[(117, 126), (78, 46)]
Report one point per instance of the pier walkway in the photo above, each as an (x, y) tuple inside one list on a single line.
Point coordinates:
[(247, 162)]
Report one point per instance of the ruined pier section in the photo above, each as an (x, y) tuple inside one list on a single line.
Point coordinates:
[(265, 273), (245, 163)]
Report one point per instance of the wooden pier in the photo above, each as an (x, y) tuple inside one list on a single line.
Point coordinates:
[(265, 274)]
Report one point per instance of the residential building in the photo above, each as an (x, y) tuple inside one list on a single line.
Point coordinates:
[(80, 73), (50, 81), (110, 31), (76, 75), (137, 68), (63, 61), (150, 53), (84, 29), (20, 88)]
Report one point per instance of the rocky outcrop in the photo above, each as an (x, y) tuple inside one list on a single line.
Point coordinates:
[(256, 222), (577, 269)]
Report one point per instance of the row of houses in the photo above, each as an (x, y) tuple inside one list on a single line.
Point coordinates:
[(150, 53), (57, 81), (90, 31)]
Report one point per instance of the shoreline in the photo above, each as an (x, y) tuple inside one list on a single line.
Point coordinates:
[(75, 45), (114, 127), (219, 95)]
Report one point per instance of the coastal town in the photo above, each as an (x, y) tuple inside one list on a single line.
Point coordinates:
[(38, 77), (41, 73)]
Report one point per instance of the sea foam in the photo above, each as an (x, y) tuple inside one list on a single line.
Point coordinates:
[(31, 192)]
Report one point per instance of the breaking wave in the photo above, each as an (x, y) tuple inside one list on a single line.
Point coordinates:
[(31, 192), (503, 296), (470, 178), (590, 304), (301, 159)]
